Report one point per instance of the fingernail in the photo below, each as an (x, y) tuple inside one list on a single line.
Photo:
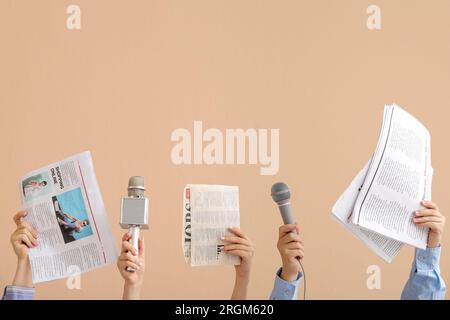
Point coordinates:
[(140, 263), (222, 238)]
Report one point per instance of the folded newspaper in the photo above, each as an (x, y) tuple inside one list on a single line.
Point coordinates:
[(208, 212), (65, 206), (378, 205)]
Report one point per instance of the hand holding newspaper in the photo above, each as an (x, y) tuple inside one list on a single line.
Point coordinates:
[(378, 206), (65, 206), (208, 211)]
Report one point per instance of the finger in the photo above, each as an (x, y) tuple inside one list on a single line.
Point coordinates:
[(430, 225), (123, 256), (238, 232), (294, 245), (22, 238), (130, 264), (296, 253), (128, 256), (132, 259), (230, 247), (24, 224), (427, 212), (286, 228), (430, 205), (18, 217), (297, 228), (236, 240), (291, 237), (127, 246), (29, 235), (126, 236), (427, 219), (141, 246), (240, 253)]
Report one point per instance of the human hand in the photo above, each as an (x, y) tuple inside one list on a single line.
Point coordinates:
[(129, 258), (24, 237), (240, 245), (432, 218), (291, 249)]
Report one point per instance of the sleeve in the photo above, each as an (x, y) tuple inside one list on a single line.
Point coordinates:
[(425, 281), (18, 293), (284, 290)]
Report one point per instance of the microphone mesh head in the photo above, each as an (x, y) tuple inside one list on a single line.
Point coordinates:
[(280, 192), (136, 187)]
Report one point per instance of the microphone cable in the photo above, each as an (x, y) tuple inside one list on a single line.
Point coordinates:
[(304, 279)]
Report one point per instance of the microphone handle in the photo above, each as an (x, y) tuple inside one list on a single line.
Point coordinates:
[(286, 213), (134, 231)]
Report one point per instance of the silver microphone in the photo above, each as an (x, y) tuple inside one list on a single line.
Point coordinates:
[(281, 195), (134, 211)]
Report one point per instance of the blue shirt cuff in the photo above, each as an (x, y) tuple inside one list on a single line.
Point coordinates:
[(428, 259), (18, 293), (285, 290)]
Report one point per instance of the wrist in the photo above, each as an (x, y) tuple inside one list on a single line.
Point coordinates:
[(131, 291), (240, 287), (288, 273), (22, 277), (242, 278), (432, 245), (433, 242)]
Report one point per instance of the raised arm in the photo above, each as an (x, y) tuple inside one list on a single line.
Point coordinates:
[(240, 245), (425, 281), (22, 239), (287, 278), (70, 217), (129, 258)]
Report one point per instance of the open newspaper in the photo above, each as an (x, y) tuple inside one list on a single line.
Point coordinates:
[(378, 206), (65, 206), (208, 211), (384, 247)]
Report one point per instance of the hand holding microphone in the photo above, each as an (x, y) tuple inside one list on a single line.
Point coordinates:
[(290, 245), (134, 213)]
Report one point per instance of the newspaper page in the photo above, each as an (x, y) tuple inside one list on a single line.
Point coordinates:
[(398, 178), (209, 210), (384, 247), (65, 206)]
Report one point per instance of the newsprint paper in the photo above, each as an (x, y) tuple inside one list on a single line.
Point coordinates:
[(208, 211), (65, 206)]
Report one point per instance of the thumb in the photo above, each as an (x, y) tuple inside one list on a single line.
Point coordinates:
[(141, 246), (297, 228)]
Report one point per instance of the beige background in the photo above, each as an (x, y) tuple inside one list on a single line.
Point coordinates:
[(140, 69)]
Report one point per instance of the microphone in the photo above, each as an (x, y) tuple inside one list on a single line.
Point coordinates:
[(134, 211), (282, 197)]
